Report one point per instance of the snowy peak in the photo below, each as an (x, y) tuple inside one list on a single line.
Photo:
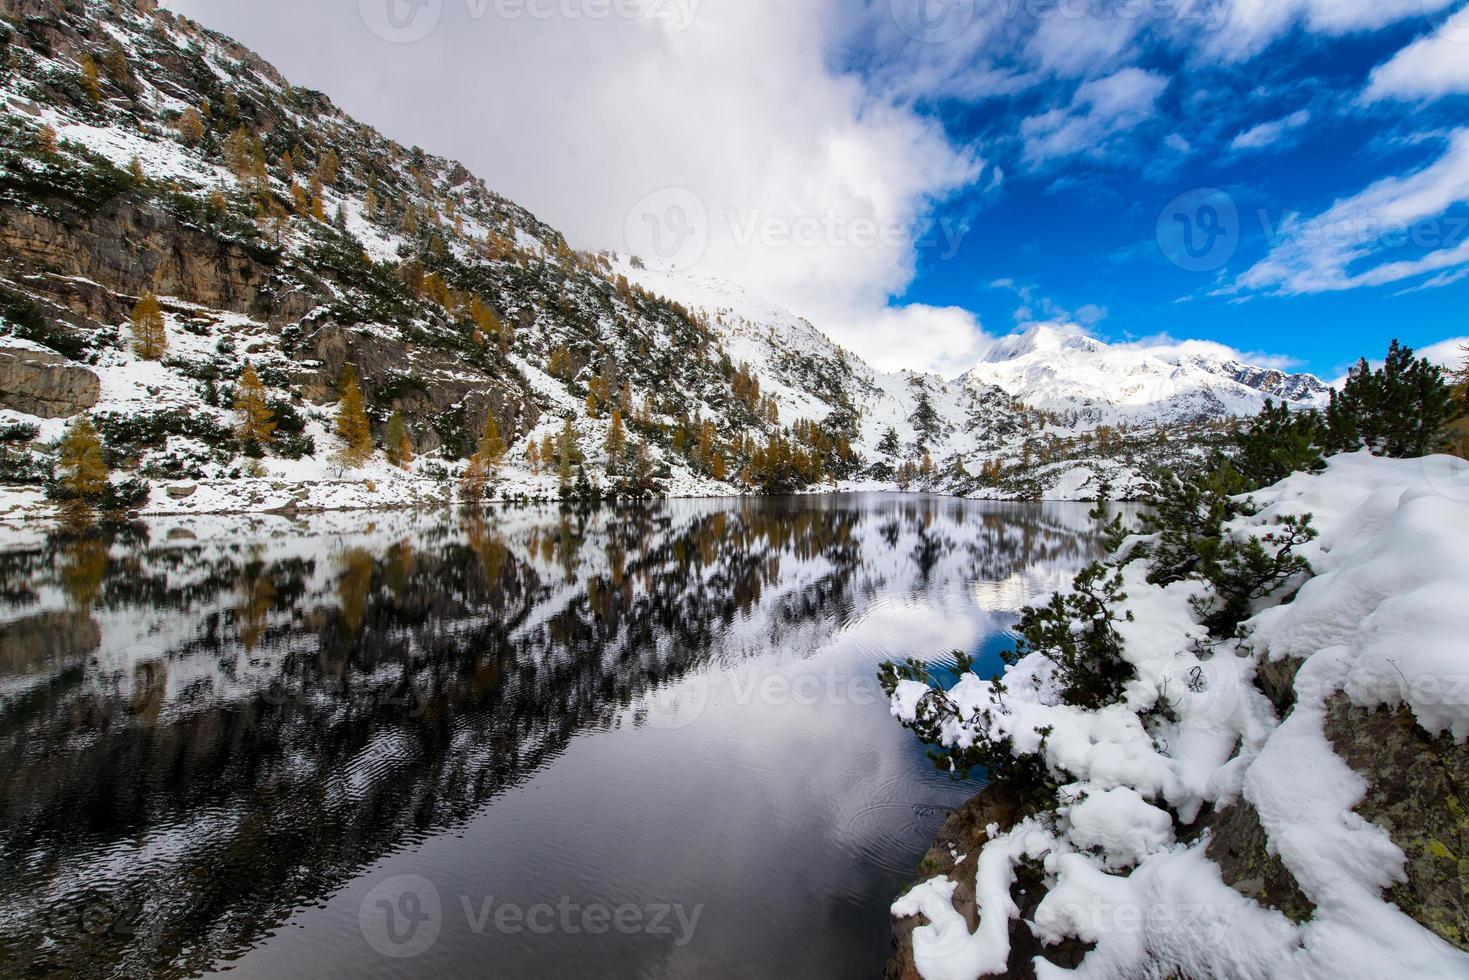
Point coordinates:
[(1043, 338), (1059, 369)]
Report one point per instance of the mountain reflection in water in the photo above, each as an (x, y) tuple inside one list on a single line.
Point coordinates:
[(218, 735)]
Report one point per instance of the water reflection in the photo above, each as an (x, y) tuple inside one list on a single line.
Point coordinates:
[(205, 728)]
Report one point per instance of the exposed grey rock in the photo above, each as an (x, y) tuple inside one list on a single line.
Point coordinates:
[(1416, 792), (45, 384), (1239, 846)]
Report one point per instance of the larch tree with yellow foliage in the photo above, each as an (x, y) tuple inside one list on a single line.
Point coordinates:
[(616, 444), (83, 473), (491, 445), (352, 423), (256, 420), (150, 334), (397, 443), (90, 79)]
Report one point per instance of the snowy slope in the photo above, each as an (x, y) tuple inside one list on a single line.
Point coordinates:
[(1380, 625)]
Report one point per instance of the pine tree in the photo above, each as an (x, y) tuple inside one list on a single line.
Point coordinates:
[(1398, 410), (83, 473), (890, 446), (150, 333), (925, 420), (491, 445), (257, 421), (352, 423)]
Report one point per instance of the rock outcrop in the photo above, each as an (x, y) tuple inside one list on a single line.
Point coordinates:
[(1416, 791), (45, 384)]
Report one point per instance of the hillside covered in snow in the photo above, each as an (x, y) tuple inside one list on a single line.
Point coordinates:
[(145, 155)]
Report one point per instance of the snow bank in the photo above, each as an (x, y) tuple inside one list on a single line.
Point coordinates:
[(1382, 621)]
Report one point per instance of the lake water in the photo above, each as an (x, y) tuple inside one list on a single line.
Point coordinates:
[(618, 742)]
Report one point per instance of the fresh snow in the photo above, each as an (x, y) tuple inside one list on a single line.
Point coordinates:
[(1383, 620)]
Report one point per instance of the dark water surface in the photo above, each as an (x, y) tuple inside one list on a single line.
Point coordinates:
[(621, 742)]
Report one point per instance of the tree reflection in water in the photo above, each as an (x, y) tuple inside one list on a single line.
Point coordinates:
[(200, 735)]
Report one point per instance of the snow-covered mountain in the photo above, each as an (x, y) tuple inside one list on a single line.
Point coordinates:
[(278, 232), (1060, 370)]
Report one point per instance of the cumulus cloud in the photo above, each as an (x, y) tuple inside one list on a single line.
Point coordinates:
[(815, 186), (1269, 133), (1100, 109), (1351, 244)]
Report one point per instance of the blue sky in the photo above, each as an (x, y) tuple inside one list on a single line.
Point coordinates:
[(1075, 235), (1304, 163)]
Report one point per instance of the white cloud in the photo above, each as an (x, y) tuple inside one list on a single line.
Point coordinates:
[(580, 119), (942, 340), (1240, 29), (1100, 109), (1319, 254), (1447, 353), (1269, 133), (1170, 349), (1428, 68)]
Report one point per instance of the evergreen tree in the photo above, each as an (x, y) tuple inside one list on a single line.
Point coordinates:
[(352, 423), (150, 334), (890, 446), (1277, 443), (257, 421), (1397, 410), (83, 474), (925, 421)]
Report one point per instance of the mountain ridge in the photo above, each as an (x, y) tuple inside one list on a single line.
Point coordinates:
[(147, 154)]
